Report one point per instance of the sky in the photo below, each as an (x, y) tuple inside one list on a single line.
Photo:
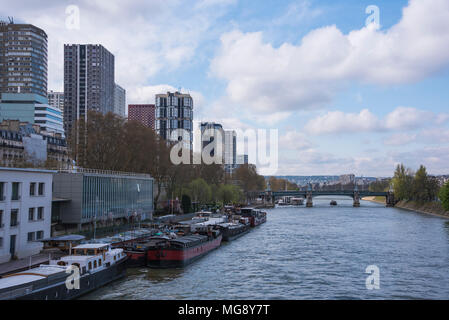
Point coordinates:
[(346, 95)]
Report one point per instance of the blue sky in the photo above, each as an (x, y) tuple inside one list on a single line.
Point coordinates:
[(345, 97)]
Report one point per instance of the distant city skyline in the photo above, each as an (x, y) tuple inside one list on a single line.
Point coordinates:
[(345, 96)]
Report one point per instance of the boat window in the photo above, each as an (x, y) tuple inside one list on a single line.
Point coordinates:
[(99, 263), (90, 265), (115, 258), (95, 263), (61, 263)]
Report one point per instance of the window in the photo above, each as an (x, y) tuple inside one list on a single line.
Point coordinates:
[(30, 236), (99, 263), (90, 265), (32, 188), (39, 235), (15, 191), (31, 214), (14, 216), (1, 218), (2, 191), (1, 242), (40, 213), (41, 189), (95, 263)]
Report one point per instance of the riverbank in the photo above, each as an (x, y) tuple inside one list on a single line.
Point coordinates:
[(375, 199), (433, 208)]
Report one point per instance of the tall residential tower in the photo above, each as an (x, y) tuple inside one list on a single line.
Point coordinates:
[(88, 81), (175, 111), (23, 59)]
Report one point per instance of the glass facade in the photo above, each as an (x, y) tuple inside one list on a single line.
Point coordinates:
[(114, 197)]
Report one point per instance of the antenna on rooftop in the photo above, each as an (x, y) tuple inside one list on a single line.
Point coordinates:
[(11, 20)]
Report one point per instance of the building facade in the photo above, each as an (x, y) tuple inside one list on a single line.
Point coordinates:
[(88, 82), (144, 113), (103, 196), (56, 100), (175, 111), (24, 141), (119, 101), (230, 150), (25, 211), (49, 118), (217, 130), (31, 108), (23, 59)]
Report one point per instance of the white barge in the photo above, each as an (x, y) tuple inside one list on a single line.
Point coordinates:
[(88, 267)]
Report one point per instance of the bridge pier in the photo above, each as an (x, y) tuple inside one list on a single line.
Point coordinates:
[(309, 202), (390, 199), (356, 202)]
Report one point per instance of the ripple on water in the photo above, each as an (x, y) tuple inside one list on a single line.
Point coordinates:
[(311, 253)]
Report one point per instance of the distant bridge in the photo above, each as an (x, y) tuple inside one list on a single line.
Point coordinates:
[(272, 196)]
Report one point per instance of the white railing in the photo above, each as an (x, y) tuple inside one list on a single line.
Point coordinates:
[(104, 172)]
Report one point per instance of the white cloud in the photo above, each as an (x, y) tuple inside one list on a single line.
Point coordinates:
[(146, 37), (294, 140), (291, 77), (401, 118), (400, 139), (340, 122), (407, 118)]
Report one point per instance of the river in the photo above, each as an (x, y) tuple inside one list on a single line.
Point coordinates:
[(311, 253)]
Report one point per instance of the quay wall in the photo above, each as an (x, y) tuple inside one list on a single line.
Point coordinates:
[(433, 208)]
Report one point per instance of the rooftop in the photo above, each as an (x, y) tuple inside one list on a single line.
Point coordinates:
[(27, 170), (105, 172)]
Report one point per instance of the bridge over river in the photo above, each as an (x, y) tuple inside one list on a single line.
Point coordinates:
[(272, 196)]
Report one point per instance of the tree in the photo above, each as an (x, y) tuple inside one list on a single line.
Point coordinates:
[(199, 191), (444, 196), (403, 183), (229, 193), (380, 185), (247, 175)]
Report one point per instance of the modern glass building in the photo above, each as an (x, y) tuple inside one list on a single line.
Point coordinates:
[(94, 195)]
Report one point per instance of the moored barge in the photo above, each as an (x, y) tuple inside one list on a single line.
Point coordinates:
[(96, 265), (166, 252), (256, 217), (234, 230)]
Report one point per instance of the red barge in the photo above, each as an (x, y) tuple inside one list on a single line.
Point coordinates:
[(167, 252)]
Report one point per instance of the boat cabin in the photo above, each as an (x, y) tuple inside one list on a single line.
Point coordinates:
[(91, 257)]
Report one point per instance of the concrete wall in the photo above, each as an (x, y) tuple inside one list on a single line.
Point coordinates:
[(69, 186), (23, 247)]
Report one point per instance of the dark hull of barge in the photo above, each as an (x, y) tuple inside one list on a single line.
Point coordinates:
[(57, 290)]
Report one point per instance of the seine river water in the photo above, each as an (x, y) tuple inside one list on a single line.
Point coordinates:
[(311, 253)]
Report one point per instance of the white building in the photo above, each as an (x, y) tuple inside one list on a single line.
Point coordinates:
[(25, 211), (56, 99)]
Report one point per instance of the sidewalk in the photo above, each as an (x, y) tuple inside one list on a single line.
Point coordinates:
[(24, 264)]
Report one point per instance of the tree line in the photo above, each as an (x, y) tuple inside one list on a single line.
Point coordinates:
[(109, 142), (414, 186)]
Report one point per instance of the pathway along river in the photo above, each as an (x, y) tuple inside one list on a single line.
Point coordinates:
[(311, 253)]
